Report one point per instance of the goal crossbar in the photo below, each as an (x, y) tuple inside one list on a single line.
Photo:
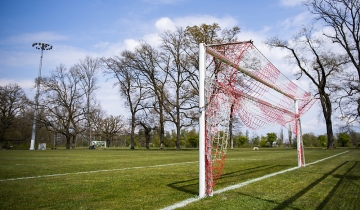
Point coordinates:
[(248, 73)]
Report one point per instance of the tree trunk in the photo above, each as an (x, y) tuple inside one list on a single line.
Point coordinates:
[(108, 141), (330, 134), (132, 131), (68, 141), (327, 112), (147, 139), (162, 129), (73, 143), (132, 144), (178, 139), (147, 131)]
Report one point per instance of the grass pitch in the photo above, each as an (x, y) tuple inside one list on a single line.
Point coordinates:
[(155, 179)]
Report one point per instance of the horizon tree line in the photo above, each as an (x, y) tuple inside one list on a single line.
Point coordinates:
[(160, 85)]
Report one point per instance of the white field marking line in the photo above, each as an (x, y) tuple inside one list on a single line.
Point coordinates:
[(88, 172), (242, 184)]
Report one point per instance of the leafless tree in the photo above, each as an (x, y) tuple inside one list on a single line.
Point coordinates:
[(317, 64), (112, 126), (87, 70), (181, 101), (97, 118), (153, 73), (343, 17), (62, 103), (130, 87), (13, 101)]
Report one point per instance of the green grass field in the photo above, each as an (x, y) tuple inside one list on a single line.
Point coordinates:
[(155, 179)]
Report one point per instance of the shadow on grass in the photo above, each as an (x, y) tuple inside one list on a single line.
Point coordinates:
[(345, 177), (188, 186), (252, 170), (289, 201), (266, 200), (191, 186)]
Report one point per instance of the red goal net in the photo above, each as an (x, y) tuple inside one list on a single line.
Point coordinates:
[(240, 81)]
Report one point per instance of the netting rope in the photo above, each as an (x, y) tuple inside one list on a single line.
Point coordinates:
[(240, 81)]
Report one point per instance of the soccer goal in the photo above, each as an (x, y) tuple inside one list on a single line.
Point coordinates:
[(237, 79), (98, 143)]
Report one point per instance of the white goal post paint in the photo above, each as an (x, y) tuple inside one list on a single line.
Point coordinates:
[(202, 169)]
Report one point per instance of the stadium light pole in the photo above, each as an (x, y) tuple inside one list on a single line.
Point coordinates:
[(39, 46)]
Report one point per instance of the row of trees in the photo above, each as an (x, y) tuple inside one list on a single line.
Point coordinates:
[(61, 115), (16, 124), (160, 85)]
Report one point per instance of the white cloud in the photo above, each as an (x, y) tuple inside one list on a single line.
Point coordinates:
[(19, 58), (27, 85), (291, 3), (312, 124), (298, 21), (164, 24), (102, 45), (225, 22), (131, 44), (108, 49), (24, 83), (153, 39)]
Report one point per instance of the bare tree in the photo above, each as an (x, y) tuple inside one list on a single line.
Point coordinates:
[(180, 102), (97, 118), (154, 75), (343, 16), (317, 64), (130, 86), (111, 126), (87, 70), (12, 102), (62, 104)]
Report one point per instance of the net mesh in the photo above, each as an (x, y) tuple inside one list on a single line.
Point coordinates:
[(241, 81)]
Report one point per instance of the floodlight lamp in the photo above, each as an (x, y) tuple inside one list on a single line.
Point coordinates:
[(42, 46)]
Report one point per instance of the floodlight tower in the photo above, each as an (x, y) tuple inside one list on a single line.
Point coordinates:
[(39, 46)]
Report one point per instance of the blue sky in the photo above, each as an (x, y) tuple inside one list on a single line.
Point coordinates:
[(77, 28)]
